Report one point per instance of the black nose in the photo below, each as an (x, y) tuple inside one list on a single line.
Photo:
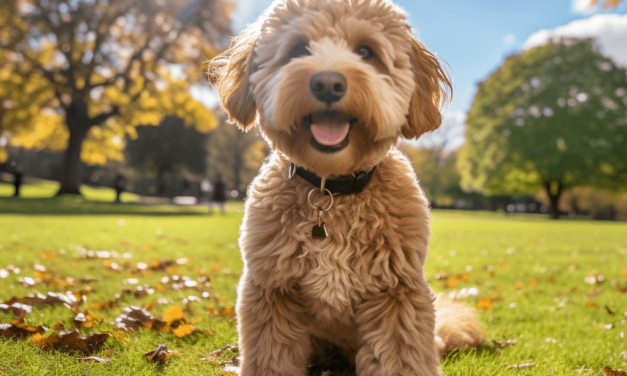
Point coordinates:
[(328, 87)]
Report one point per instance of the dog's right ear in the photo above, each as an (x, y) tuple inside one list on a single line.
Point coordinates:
[(229, 74)]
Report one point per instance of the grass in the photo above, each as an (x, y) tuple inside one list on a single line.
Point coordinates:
[(536, 268), (49, 188)]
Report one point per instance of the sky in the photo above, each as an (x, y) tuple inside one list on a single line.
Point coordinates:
[(474, 37)]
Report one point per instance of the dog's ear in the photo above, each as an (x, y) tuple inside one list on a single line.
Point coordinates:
[(229, 74), (433, 86)]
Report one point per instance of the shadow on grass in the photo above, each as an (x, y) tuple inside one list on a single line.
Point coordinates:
[(77, 205), (482, 352)]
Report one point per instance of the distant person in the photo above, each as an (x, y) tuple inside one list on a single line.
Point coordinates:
[(17, 182), (218, 196), (120, 184)]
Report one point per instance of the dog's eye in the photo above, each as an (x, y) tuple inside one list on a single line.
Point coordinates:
[(365, 52), (299, 50)]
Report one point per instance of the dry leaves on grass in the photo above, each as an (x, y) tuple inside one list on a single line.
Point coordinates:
[(231, 366), (174, 321), (86, 319), (69, 299), (18, 309), (610, 372), (486, 303), (19, 329), (160, 355), (94, 359), (71, 341), (504, 344)]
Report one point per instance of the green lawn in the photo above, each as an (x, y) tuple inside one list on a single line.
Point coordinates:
[(535, 269), (49, 189)]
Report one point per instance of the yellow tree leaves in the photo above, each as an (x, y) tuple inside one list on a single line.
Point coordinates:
[(607, 4)]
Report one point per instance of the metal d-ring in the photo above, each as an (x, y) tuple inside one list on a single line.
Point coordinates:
[(291, 170), (315, 207)]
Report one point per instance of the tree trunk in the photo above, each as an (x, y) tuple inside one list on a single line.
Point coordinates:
[(71, 161), (78, 123), (554, 191)]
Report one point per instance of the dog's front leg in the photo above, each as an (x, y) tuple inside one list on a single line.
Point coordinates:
[(396, 334), (273, 339)]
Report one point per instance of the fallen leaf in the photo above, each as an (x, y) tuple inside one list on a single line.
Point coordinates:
[(172, 314), (609, 310), (519, 286), (228, 311), (533, 282), (486, 303), (86, 319), (48, 254), (135, 318), (183, 330), (121, 336), (94, 359), (592, 305), (524, 365), (51, 298), (71, 341), (160, 355), (610, 372), (504, 344), (19, 329), (18, 309), (107, 305)]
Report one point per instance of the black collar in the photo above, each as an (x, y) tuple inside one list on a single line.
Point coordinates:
[(346, 184)]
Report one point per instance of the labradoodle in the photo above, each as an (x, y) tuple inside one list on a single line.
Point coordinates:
[(336, 229)]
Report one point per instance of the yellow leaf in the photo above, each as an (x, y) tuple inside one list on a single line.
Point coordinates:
[(173, 314), (48, 254), (183, 330), (519, 286), (485, 303)]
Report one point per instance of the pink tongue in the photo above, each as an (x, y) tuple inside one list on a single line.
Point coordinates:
[(330, 133)]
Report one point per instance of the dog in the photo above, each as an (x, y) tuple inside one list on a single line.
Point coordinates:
[(336, 228)]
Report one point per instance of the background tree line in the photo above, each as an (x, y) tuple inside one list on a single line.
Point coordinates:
[(93, 88)]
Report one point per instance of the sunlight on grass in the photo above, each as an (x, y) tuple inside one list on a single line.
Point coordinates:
[(543, 279), (49, 189)]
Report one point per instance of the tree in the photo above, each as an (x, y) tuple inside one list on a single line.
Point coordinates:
[(235, 155), (106, 66), (170, 147), (552, 117), (606, 4)]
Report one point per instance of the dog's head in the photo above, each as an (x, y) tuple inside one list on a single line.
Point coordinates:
[(331, 83)]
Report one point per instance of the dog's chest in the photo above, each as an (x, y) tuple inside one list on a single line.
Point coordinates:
[(337, 276)]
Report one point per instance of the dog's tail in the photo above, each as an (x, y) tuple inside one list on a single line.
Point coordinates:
[(456, 326)]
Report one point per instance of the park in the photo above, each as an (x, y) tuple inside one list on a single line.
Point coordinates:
[(125, 180)]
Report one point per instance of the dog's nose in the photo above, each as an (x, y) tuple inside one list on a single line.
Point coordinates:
[(328, 87)]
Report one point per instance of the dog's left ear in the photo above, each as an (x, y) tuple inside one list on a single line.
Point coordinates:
[(229, 73), (433, 86)]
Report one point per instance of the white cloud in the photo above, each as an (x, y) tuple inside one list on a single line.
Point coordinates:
[(450, 135), (583, 6), (509, 38), (610, 30)]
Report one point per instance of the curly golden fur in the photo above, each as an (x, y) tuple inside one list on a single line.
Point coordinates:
[(363, 287)]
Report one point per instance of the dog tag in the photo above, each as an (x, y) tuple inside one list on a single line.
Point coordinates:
[(319, 231)]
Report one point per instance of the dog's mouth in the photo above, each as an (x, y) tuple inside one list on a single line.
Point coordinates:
[(330, 130)]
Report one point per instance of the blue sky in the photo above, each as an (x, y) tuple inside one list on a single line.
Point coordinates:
[(473, 36)]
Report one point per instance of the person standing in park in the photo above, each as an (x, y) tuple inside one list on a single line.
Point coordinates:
[(120, 184), (17, 182), (218, 196)]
